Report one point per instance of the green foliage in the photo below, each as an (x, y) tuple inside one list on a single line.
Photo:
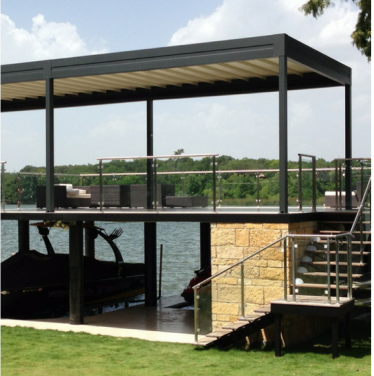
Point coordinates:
[(361, 36)]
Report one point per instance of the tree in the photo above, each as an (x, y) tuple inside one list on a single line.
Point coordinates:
[(361, 36)]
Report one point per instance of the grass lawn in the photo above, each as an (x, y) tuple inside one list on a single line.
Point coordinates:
[(29, 352)]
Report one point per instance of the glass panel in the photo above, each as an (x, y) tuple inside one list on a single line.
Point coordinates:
[(190, 179), (204, 312)]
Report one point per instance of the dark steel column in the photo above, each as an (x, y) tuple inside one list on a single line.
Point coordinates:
[(205, 245), (150, 260), (49, 107), (76, 273), (283, 137), (89, 243), (348, 146), (23, 236), (149, 152)]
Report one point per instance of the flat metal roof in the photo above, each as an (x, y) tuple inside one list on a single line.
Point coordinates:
[(240, 66)]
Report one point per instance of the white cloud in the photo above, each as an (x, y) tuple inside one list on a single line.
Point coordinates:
[(329, 34), (45, 40)]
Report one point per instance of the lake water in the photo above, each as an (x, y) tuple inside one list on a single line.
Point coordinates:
[(181, 247)]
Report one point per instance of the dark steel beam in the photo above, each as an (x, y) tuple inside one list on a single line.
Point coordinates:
[(50, 168), (236, 87), (283, 136), (348, 145), (150, 177), (150, 260), (205, 245), (23, 236), (76, 273)]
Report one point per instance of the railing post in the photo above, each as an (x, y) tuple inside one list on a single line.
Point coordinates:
[(285, 268), (214, 183), (196, 314), (3, 186), (314, 200), (101, 183), (328, 272), (349, 267), (337, 270), (336, 184), (242, 309), (155, 183), (293, 271), (300, 184)]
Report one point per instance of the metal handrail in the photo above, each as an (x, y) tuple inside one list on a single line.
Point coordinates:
[(329, 238)]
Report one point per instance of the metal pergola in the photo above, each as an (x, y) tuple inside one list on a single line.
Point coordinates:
[(241, 66), (274, 63)]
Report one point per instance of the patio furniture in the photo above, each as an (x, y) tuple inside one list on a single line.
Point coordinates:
[(186, 201), (65, 196)]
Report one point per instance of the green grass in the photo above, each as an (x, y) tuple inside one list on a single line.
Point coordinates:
[(30, 352)]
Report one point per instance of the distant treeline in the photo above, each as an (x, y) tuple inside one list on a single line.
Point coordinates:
[(233, 188)]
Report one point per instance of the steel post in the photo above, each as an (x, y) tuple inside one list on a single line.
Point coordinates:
[(76, 283)]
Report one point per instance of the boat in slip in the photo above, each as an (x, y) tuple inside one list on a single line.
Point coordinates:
[(36, 285)]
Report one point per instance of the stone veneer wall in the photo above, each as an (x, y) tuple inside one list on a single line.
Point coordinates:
[(264, 273)]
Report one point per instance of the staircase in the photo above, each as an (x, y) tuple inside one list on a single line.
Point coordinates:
[(312, 275), (235, 331)]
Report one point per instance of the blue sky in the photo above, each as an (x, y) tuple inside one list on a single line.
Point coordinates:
[(240, 126)]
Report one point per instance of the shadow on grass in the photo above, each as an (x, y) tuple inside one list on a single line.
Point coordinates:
[(321, 345)]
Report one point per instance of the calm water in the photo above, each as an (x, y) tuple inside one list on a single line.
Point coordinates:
[(181, 247)]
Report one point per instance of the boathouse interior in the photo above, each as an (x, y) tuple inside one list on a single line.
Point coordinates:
[(274, 63)]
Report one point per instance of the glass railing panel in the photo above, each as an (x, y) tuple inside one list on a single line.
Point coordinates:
[(204, 309), (190, 179)]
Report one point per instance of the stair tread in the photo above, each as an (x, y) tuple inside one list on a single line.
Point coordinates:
[(332, 263), (251, 317), (235, 325), (204, 341), (322, 286), (324, 274), (322, 251), (322, 241), (263, 309), (219, 333)]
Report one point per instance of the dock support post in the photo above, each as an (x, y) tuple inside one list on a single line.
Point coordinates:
[(205, 245), (335, 336), (23, 236), (76, 273), (283, 136), (89, 243), (277, 334), (50, 168), (150, 260)]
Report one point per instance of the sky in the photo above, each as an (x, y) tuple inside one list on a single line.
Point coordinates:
[(239, 126)]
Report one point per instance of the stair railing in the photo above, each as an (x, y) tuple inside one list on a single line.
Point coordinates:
[(360, 218), (283, 240)]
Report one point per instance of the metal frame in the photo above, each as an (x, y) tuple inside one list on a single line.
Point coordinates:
[(322, 71)]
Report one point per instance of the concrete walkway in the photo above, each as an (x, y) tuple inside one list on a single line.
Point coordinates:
[(160, 323)]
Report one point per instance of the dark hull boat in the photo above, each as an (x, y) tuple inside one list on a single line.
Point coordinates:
[(37, 285)]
